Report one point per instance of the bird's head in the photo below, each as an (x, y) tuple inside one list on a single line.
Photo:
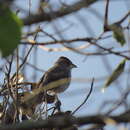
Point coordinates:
[(64, 61)]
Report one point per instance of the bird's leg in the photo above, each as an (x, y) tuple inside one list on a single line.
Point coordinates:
[(58, 104), (45, 94)]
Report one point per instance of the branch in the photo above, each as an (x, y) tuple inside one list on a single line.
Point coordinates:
[(106, 16), (67, 121), (110, 51), (124, 18), (86, 39), (85, 98), (31, 42), (60, 13)]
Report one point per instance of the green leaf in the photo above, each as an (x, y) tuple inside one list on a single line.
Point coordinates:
[(116, 73), (118, 33), (10, 31)]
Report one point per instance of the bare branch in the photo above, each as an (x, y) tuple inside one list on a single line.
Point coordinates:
[(67, 120), (32, 19), (85, 100)]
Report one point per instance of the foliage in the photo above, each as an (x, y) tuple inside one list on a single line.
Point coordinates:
[(116, 73), (10, 30), (118, 33)]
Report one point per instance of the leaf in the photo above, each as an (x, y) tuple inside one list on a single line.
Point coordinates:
[(118, 33), (10, 31), (116, 73)]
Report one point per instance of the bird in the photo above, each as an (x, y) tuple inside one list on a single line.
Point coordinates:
[(54, 81), (28, 101), (60, 71)]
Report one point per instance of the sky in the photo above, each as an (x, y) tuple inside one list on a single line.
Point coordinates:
[(77, 25)]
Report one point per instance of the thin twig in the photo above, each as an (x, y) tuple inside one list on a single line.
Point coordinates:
[(85, 98), (110, 51), (49, 35), (86, 39), (106, 16), (24, 61), (122, 20), (16, 86), (8, 79)]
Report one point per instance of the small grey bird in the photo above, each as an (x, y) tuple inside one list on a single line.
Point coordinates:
[(60, 71), (28, 101)]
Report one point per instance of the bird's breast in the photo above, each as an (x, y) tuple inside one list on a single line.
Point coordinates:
[(62, 87)]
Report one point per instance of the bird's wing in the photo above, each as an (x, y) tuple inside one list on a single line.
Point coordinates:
[(54, 74)]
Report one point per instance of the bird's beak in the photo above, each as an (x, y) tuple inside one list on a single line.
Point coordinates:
[(73, 66)]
